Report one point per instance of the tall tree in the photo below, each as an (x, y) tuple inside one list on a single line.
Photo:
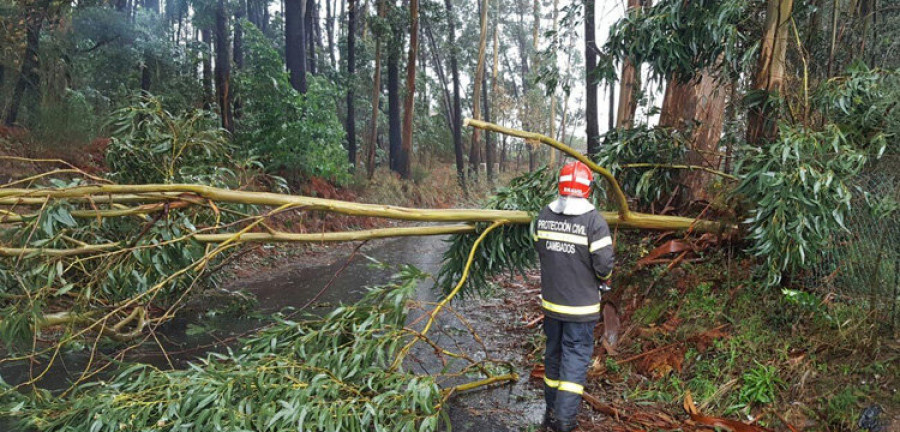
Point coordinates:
[(697, 106), (475, 149), (376, 97), (351, 70), (762, 125), (395, 135), (223, 68), (495, 74), (406, 148), (206, 80), (590, 56), (629, 84), (294, 43), (329, 29), (457, 108), (28, 76), (309, 25), (553, 101)]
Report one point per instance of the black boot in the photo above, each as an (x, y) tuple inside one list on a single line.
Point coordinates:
[(549, 423), (564, 426)]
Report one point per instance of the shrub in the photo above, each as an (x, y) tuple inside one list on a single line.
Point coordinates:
[(290, 132), (151, 145)]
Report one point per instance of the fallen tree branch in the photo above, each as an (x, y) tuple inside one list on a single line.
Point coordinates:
[(341, 236), (684, 167)]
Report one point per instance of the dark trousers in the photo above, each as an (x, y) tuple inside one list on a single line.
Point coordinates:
[(566, 361)]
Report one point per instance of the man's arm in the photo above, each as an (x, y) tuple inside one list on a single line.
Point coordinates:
[(601, 248)]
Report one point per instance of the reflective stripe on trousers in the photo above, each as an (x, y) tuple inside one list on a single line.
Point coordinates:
[(566, 360)]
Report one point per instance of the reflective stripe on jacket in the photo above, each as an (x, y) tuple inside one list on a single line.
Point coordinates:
[(576, 253)]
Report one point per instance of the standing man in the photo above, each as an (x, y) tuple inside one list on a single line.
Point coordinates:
[(576, 254)]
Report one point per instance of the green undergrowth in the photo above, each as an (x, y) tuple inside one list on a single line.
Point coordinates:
[(325, 374), (817, 361)]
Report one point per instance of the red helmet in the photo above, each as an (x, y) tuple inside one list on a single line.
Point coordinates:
[(575, 180)]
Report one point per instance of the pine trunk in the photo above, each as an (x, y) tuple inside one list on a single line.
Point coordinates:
[(395, 135), (475, 149), (206, 36), (376, 98), (223, 68)]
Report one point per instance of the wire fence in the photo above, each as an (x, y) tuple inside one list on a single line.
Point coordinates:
[(862, 264)]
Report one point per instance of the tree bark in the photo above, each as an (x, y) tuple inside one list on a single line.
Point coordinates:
[(376, 98), (406, 148), (629, 82), (351, 70), (310, 35), (28, 76), (770, 70), (491, 154), (590, 56), (395, 134), (475, 149), (698, 105), (553, 101), (223, 68), (206, 36), (457, 108), (294, 43), (329, 29)]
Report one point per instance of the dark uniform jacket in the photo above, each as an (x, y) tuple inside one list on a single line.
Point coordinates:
[(576, 254)]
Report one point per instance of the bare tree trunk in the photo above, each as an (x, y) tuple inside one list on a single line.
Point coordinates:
[(329, 19), (206, 35), (770, 69), (491, 138), (629, 82), (553, 101), (590, 56), (294, 43), (700, 106), (376, 97), (456, 128), (351, 70), (395, 133), (242, 10), (310, 35), (223, 68), (475, 149), (407, 148), (28, 77)]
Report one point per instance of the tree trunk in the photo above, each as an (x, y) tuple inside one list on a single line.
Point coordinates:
[(242, 10), (310, 36), (590, 56), (223, 68), (629, 82), (475, 149), (395, 135), (491, 138), (329, 21), (206, 36), (145, 73), (376, 98), (553, 101), (700, 105), (406, 148), (351, 70), (457, 108), (294, 43), (28, 76), (770, 70)]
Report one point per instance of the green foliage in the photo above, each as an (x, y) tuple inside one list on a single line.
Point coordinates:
[(644, 144), (289, 132), (681, 38), (798, 186), (151, 145), (322, 373), (862, 105), (760, 385), (507, 248)]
